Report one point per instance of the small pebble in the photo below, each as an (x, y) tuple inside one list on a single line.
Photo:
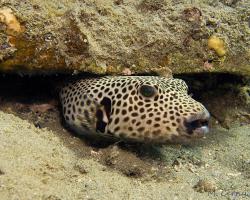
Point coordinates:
[(82, 169), (205, 186), (1, 172)]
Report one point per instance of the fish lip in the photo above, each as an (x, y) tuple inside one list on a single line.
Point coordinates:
[(197, 125)]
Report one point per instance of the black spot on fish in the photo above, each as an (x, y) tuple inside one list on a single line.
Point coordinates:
[(88, 102), (106, 102), (100, 124)]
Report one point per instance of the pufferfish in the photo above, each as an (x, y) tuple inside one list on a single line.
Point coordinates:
[(148, 109)]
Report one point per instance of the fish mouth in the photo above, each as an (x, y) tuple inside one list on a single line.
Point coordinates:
[(197, 125)]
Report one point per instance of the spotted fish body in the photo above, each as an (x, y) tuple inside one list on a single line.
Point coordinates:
[(147, 109)]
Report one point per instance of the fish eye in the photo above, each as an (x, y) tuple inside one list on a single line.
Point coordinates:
[(147, 91)]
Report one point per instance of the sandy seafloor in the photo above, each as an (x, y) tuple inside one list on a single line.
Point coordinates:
[(39, 162)]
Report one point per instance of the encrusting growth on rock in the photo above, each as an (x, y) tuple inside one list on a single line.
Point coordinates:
[(217, 45)]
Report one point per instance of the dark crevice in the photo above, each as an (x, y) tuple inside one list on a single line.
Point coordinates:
[(208, 88), (33, 88), (202, 83)]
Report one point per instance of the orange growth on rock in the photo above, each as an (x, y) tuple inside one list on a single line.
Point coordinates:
[(9, 19)]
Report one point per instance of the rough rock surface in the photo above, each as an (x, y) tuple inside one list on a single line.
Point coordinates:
[(116, 35)]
